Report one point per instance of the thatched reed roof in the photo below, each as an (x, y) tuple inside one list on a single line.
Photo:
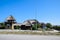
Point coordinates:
[(27, 23), (33, 21), (10, 18)]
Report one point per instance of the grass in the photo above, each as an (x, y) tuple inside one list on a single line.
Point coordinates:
[(30, 32)]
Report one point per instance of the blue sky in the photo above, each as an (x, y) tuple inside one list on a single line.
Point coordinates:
[(47, 11)]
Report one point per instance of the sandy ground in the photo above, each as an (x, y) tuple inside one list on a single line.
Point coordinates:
[(28, 37)]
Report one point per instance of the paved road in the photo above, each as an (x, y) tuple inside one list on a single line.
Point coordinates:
[(27, 37)]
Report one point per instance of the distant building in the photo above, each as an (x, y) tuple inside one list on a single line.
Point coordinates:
[(24, 26), (12, 24), (9, 21)]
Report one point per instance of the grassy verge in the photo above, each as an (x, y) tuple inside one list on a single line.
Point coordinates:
[(30, 32)]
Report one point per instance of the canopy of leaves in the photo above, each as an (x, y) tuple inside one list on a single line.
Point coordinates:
[(48, 25)]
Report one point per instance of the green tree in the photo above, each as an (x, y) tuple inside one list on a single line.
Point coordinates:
[(17, 27), (2, 26), (34, 27), (48, 25), (56, 27)]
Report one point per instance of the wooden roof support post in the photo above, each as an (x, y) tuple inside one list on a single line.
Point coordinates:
[(12, 27)]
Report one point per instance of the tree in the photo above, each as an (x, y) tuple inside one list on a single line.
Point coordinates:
[(48, 25), (2, 26), (34, 27), (56, 27), (17, 27)]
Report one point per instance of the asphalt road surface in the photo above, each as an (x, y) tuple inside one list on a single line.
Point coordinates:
[(28, 37)]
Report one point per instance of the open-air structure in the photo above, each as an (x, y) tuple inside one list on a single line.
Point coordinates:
[(11, 24)]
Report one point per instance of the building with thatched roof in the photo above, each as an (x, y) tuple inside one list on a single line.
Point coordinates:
[(9, 21), (26, 25), (12, 24)]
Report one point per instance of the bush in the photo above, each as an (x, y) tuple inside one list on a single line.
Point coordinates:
[(17, 27), (2, 27), (56, 27), (34, 27)]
